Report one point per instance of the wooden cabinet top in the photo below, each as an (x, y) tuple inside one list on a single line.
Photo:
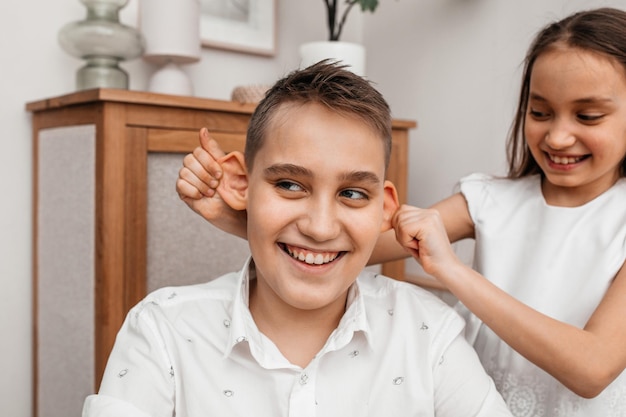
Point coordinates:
[(156, 99), (138, 97)]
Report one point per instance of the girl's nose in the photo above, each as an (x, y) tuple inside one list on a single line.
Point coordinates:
[(560, 135)]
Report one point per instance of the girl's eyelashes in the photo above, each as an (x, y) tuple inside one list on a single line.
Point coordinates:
[(589, 117), (583, 117), (537, 114)]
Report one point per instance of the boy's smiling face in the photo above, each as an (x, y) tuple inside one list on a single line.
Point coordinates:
[(316, 201)]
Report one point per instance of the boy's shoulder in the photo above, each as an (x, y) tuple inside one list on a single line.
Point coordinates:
[(379, 289), (221, 289), (408, 314), (372, 282)]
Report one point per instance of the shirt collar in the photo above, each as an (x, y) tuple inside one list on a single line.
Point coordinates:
[(243, 328), (354, 321), (241, 325)]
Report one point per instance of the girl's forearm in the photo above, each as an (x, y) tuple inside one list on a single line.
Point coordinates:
[(387, 249), (578, 358)]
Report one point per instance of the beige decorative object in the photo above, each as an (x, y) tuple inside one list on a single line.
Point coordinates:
[(249, 93)]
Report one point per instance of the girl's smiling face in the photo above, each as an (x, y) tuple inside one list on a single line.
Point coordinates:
[(575, 123)]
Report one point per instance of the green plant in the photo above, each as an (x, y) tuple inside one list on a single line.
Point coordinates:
[(335, 26)]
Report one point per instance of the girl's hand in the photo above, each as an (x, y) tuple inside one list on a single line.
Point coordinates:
[(422, 233), (197, 183), (199, 177)]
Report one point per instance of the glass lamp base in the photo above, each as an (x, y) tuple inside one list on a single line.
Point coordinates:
[(101, 73), (102, 41)]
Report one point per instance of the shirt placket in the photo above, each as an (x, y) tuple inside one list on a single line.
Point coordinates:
[(302, 400)]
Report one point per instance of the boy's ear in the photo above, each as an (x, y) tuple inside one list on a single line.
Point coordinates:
[(390, 205), (233, 187)]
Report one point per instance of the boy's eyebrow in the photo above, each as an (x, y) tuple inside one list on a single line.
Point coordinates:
[(288, 169), (297, 170), (361, 176)]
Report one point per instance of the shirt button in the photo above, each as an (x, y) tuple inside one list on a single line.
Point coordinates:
[(304, 378)]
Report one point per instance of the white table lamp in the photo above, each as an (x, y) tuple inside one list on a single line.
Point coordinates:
[(171, 29)]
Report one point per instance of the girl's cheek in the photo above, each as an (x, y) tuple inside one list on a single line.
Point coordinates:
[(533, 131)]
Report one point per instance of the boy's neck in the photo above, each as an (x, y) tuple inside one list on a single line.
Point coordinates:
[(298, 334)]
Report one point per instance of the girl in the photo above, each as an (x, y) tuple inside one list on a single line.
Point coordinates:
[(545, 302)]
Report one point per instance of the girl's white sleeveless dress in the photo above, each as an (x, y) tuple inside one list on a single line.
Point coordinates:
[(559, 261)]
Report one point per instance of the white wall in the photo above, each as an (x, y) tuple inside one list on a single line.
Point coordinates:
[(453, 65)]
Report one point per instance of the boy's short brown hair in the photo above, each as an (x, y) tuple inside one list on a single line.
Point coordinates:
[(329, 84)]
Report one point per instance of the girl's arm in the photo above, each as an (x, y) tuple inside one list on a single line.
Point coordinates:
[(198, 181), (584, 360), (458, 224)]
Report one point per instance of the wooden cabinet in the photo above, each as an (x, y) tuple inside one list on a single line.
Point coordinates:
[(106, 162)]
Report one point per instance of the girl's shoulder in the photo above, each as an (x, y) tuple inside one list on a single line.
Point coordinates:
[(481, 187), (620, 185), (490, 180), (615, 195)]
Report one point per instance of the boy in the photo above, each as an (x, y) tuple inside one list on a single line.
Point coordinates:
[(301, 330)]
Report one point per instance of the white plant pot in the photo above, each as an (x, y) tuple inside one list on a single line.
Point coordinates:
[(352, 54)]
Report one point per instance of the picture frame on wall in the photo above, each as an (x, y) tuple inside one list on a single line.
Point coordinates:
[(239, 25)]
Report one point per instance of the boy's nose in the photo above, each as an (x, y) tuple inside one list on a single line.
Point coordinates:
[(320, 222)]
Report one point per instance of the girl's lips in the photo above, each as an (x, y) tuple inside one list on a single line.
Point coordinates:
[(310, 257)]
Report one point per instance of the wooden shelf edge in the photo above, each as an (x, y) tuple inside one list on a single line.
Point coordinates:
[(139, 97), (403, 124)]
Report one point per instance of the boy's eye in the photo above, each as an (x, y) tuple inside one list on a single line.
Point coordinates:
[(288, 185), (354, 195)]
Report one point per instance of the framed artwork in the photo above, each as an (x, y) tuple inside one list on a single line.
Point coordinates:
[(239, 25)]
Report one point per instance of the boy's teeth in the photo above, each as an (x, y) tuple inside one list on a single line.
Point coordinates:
[(312, 258)]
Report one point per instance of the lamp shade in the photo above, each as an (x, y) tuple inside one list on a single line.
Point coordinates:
[(171, 29)]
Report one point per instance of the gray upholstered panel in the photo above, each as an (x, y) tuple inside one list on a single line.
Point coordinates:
[(65, 265), (183, 248)]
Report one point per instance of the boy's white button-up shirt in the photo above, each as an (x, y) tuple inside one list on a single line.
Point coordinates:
[(196, 351)]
